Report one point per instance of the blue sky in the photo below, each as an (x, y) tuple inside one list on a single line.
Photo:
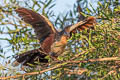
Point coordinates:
[(62, 6)]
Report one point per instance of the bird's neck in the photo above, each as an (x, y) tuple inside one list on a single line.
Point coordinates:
[(63, 35), (63, 39)]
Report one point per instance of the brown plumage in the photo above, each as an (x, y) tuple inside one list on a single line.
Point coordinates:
[(52, 42), (31, 57)]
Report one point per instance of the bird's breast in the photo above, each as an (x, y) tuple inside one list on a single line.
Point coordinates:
[(59, 45)]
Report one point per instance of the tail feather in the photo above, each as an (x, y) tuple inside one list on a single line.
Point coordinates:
[(30, 57)]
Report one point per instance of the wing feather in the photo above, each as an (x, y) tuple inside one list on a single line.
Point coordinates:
[(85, 24), (42, 26), (30, 57)]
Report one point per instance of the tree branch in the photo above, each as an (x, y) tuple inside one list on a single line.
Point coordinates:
[(100, 59), (31, 73), (64, 63)]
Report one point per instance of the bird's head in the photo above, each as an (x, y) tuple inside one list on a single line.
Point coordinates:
[(66, 31)]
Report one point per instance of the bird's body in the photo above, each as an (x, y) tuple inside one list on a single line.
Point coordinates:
[(58, 46), (52, 42)]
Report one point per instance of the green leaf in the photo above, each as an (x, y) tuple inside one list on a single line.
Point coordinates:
[(49, 2), (2, 56)]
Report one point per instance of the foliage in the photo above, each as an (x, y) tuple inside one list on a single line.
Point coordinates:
[(102, 42)]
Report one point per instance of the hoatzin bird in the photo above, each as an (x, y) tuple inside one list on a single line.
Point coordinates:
[(52, 42)]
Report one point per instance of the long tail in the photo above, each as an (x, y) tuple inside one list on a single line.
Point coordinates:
[(30, 57)]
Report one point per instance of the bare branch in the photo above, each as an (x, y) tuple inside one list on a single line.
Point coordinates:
[(100, 59)]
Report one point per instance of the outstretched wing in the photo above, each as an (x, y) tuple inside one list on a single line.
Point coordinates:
[(42, 26), (85, 24), (30, 57)]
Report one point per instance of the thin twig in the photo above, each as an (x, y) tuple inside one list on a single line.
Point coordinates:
[(109, 73), (75, 71), (76, 56)]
